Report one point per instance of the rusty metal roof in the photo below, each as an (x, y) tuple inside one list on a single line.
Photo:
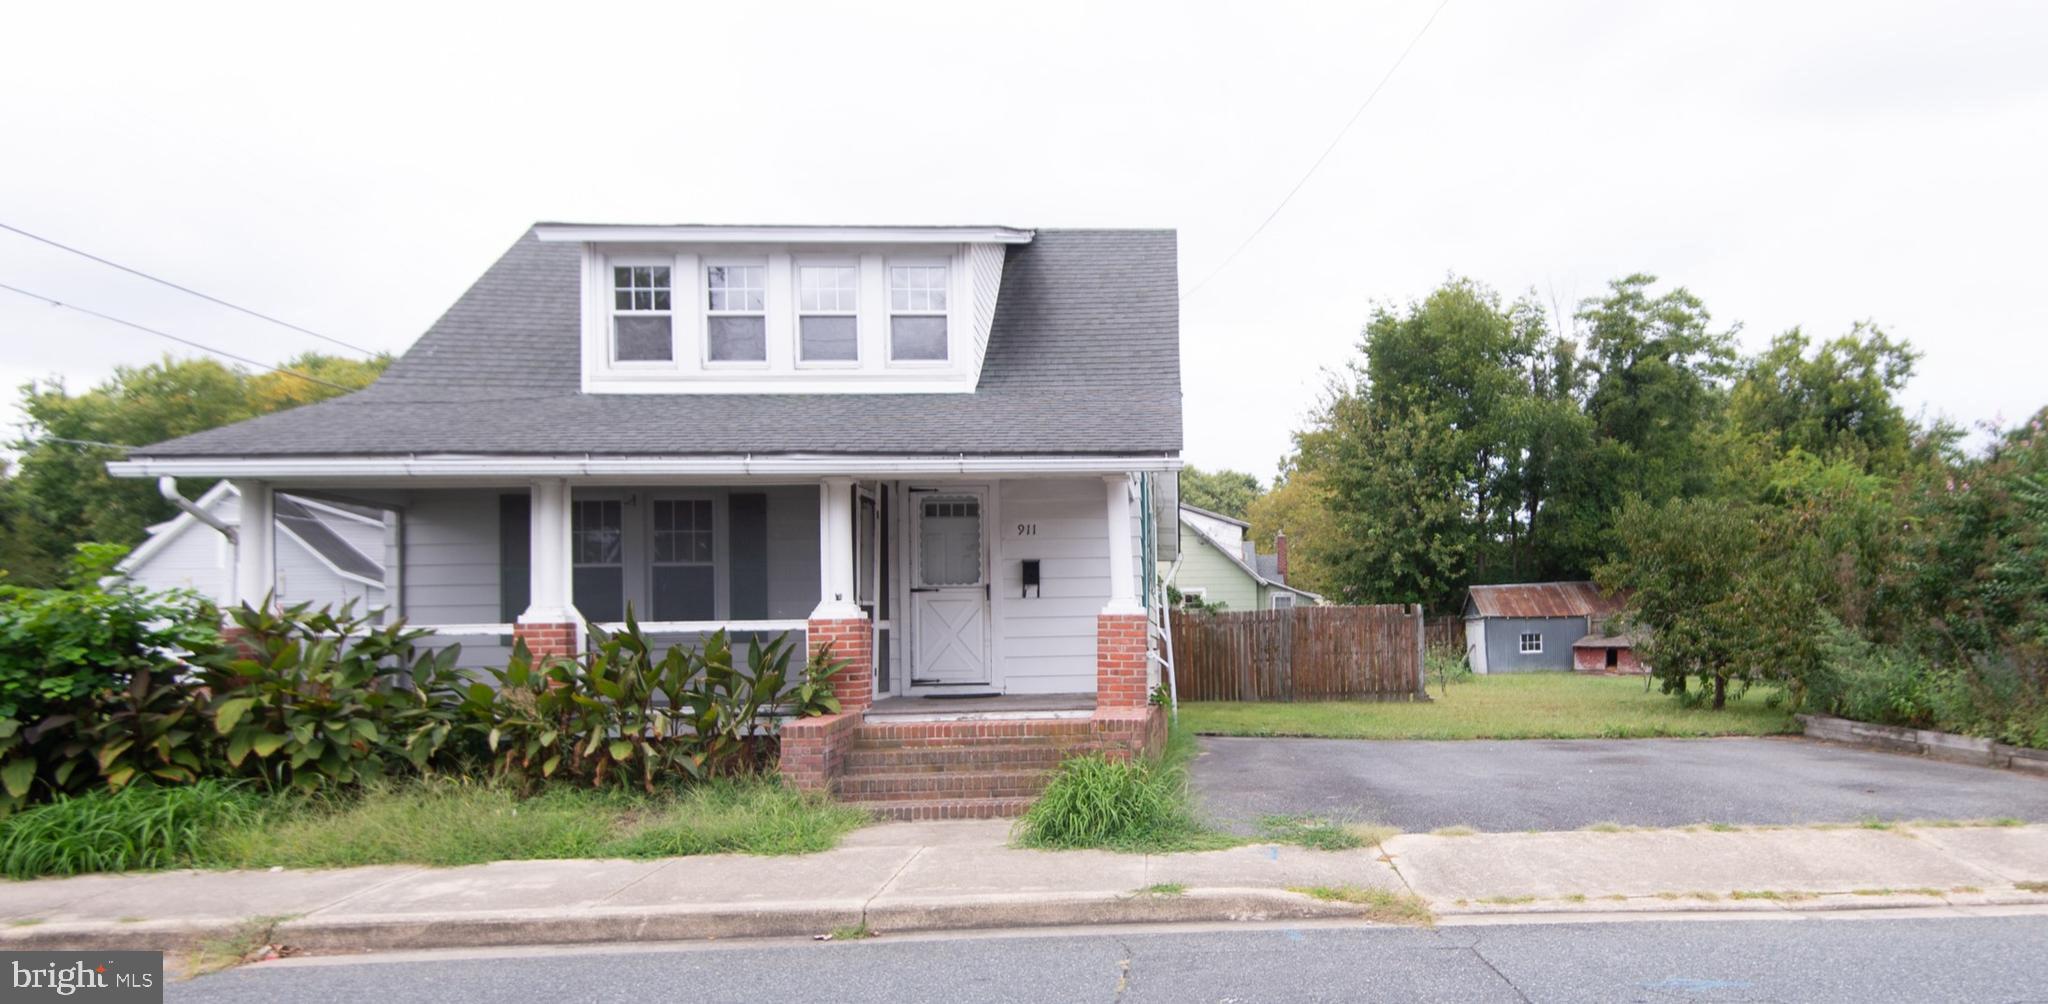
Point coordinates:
[(1543, 599)]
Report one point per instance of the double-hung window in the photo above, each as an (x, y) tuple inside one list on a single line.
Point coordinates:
[(642, 322), (682, 571), (736, 314), (598, 556), (827, 298), (917, 313)]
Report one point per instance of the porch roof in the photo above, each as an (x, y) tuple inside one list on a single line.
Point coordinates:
[(1083, 359)]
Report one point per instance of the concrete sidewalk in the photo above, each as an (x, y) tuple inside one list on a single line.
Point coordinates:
[(931, 876)]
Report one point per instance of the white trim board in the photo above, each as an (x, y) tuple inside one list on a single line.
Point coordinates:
[(483, 468)]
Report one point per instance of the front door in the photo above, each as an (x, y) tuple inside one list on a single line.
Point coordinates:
[(948, 589)]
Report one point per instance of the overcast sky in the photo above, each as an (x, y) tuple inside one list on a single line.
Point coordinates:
[(353, 167)]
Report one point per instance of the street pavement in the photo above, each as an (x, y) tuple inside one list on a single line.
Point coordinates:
[(1820, 959), (1526, 784)]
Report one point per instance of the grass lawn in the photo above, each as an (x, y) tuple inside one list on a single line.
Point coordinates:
[(433, 822), (1519, 706)]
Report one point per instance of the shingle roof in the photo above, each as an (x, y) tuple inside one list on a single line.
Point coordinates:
[(1543, 599), (1083, 358)]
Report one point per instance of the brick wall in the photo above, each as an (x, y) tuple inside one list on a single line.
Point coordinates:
[(1120, 668), (814, 749), (852, 641), (1126, 733), (1594, 660), (548, 639)]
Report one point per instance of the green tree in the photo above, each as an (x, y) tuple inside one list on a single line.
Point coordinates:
[(1839, 399), (1660, 378), (1299, 506), (61, 491), (1399, 517), (1225, 491)]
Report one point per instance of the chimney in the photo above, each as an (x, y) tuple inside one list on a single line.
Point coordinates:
[(1280, 554)]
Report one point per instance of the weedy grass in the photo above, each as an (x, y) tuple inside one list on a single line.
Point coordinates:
[(1324, 834), (1383, 905), (1140, 806), (851, 932), (2031, 886), (138, 828), (1779, 895), (1453, 831), (1164, 889), (438, 821)]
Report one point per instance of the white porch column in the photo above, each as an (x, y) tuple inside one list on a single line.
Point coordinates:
[(1123, 575), (835, 551), (549, 599), (255, 540)]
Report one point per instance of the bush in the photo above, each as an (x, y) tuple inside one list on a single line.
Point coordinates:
[(138, 827), (1122, 805), (317, 698), (621, 711)]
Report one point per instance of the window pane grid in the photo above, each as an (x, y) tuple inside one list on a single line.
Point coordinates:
[(917, 289), (640, 287), (595, 532), (739, 289), (682, 531), (828, 289)]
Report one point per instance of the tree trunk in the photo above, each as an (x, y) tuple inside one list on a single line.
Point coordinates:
[(1720, 691)]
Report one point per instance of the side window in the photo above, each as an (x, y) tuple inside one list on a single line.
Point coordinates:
[(1532, 643), (917, 313), (736, 314), (643, 321)]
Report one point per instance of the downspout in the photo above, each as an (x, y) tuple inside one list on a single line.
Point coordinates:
[(168, 488)]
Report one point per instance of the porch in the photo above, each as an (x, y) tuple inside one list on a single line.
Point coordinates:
[(958, 606)]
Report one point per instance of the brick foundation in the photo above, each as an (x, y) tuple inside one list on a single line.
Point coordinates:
[(814, 749), (544, 640), (1120, 669), (852, 640)]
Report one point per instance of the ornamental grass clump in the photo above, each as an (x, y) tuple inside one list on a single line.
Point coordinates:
[(136, 828)]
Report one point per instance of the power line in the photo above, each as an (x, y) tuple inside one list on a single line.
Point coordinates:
[(54, 302), (185, 289), (1339, 138)]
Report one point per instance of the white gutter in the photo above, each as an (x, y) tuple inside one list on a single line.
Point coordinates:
[(714, 234), (458, 466), (168, 487)]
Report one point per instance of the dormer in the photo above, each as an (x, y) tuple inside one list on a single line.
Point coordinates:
[(696, 309)]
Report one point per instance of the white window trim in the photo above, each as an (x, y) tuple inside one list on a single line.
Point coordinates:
[(705, 313), (796, 333), (611, 311), (950, 314), (1523, 643)]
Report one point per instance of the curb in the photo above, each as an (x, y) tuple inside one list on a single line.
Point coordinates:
[(499, 929)]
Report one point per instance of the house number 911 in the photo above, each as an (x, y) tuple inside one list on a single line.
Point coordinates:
[(1027, 529)]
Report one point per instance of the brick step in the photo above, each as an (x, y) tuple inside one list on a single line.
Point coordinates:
[(948, 808), (863, 742), (923, 785), (959, 760)]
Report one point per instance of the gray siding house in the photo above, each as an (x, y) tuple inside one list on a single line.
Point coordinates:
[(942, 450), (1531, 627)]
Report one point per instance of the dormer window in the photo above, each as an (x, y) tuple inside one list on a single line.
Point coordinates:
[(642, 324), (828, 322), (917, 313), (736, 315)]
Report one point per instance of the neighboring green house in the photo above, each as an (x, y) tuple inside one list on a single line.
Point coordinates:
[(1219, 566)]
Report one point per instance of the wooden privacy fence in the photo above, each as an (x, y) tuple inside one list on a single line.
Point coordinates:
[(1301, 654), (1444, 632)]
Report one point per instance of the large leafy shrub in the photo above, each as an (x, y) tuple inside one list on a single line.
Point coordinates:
[(311, 698), (622, 711)]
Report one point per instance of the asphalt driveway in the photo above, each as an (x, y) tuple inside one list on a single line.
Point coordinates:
[(1531, 784)]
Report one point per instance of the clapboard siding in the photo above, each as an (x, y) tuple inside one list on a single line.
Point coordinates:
[(451, 557), (1046, 644), (1504, 642)]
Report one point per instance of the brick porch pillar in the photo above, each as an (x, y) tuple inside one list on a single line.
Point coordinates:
[(853, 643), (1120, 670), (546, 639)]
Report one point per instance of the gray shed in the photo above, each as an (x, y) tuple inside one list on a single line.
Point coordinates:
[(1530, 627)]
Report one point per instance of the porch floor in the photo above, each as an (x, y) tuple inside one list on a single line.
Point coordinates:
[(1001, 706)]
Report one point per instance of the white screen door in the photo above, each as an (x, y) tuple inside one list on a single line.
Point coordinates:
[(948, 593)]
